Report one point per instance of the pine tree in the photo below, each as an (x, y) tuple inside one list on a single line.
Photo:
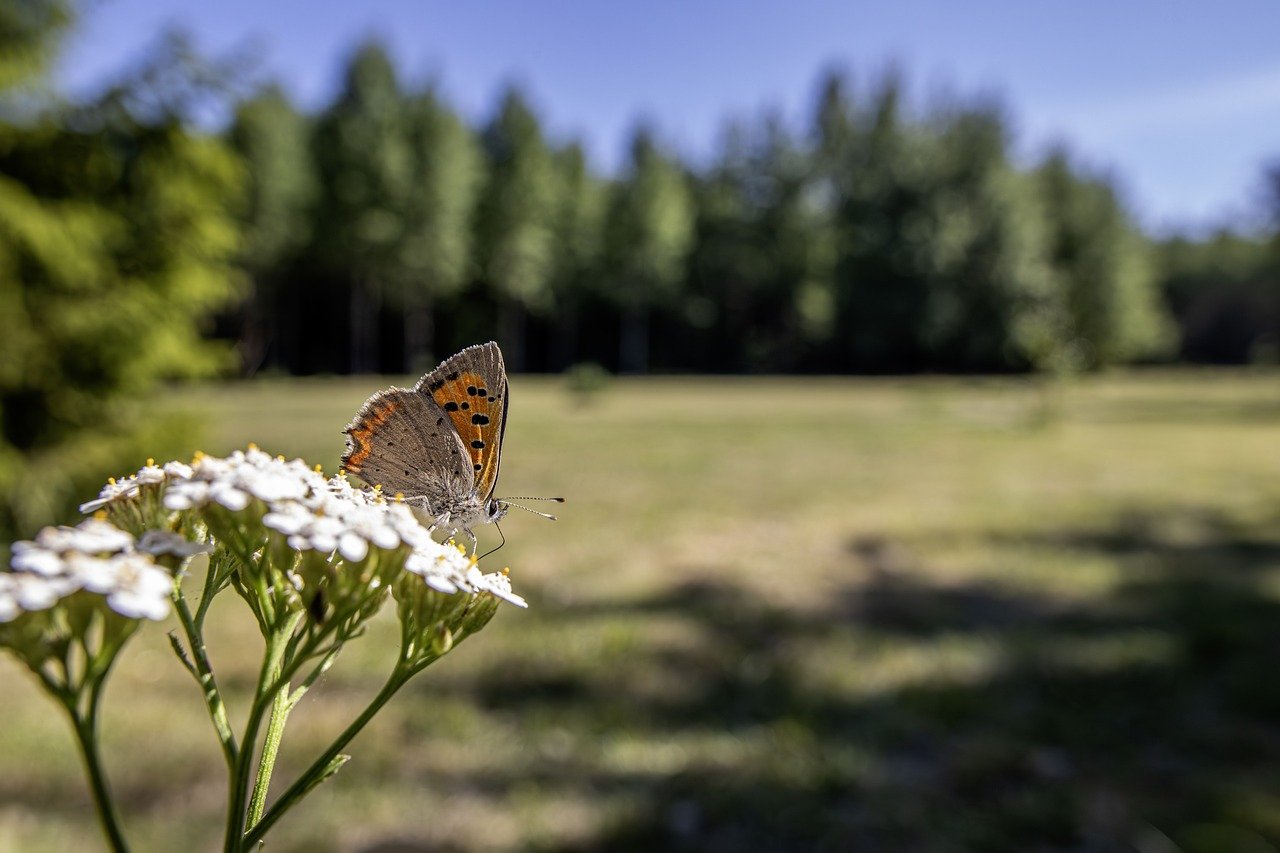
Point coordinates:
[(1104, 267), (579, 242), (650, 233), (274, 140), (515, 230), (366, 174), (979, 247), (439, 215)]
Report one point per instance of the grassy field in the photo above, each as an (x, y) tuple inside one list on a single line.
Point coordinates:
[(779, 614)]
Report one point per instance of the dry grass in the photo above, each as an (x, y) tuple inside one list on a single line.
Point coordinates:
[(782, 613)]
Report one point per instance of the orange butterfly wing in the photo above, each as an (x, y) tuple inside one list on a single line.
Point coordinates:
[(471, 388)]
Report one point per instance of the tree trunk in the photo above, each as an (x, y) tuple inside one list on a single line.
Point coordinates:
[(565, 347), (253, 332), (419, 333), (284, 323), (511, 328), (633, 351), (364, 326)]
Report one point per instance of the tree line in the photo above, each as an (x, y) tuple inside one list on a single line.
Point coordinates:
[(876, 239)]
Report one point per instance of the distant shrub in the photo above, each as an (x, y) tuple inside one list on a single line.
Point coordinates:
[(586, 380)]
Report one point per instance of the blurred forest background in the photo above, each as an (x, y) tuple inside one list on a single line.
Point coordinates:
[(1031, 604), (383, 232)]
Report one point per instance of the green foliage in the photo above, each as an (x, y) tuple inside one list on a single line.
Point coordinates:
[(650, 226), (763, 254), (579, 222), (447, 170), (649, 233), (940, 257), (366, 169), (274, 140), (30, 31), (582, 204), (516, 220), (586, 381), (517, 210), (1225, 293), (365, 166), (115, 244), (1104, 269)]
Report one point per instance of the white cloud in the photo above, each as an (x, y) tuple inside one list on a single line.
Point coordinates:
[(1248, 96)]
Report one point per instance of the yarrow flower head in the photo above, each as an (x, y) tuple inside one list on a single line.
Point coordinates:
[(114, 490), (237, 479), (289, 535), (95, 557)]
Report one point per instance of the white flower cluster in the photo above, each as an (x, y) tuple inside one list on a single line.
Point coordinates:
[(129, 487), (97, 557), (333, 516), (318, 514), (312, 512), (234, 481)]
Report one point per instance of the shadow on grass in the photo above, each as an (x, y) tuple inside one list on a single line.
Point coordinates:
[(1147, 720)]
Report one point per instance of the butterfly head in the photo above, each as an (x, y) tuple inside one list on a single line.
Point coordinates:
[(495, 510)]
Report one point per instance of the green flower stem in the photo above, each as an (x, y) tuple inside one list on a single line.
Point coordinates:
[(269, 683), (86, 730), (281, 705), (204, 676), (322, 765)]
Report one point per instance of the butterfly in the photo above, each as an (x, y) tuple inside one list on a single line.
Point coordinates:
[(439, 443)]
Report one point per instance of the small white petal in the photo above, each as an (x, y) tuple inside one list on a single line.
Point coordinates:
[(111, 492), (496, 584), (90, 536), (353, 548), (441, 583), (33, 592), (177, 470), (186, 494), (36, 560), (229, 496), (95, 574), (149, 475), (159, 542), (275, 485), (141, 590), (136, 605), (289, 519), (385, 538), (325, 542)]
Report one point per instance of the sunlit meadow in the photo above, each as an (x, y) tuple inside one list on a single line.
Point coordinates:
[(778, 612)]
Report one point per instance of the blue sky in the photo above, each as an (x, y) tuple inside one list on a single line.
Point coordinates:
[(1180, 101)]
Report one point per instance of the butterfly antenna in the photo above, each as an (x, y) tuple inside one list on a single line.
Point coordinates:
[(545, 515), (495, 547), (527, 498)]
